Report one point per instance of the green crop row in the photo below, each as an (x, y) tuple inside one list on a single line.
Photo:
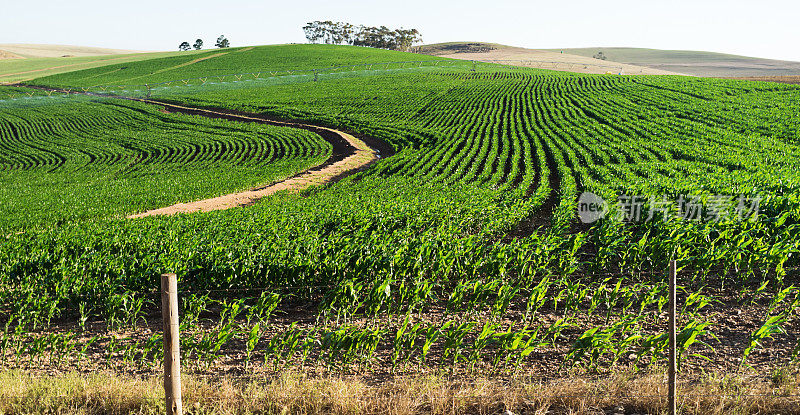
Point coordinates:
[(84, 158), (472, 221)]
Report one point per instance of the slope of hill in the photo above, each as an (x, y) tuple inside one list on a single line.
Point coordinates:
[(535, 58), (695, 63), (23, 69), (31, 50), (229, 61)]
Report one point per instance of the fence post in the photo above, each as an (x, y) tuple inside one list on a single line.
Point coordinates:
[(315, 75), (172, 354), (673, 367)]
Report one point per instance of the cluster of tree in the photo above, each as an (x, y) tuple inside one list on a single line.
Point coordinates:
[(600, 55), (222, 42), (198, 44), (339, 33)]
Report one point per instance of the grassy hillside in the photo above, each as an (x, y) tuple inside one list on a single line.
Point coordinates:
[(694, 62), (462, 253), (228, 61), (16, 70)]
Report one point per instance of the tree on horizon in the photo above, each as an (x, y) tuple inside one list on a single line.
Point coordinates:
[(338, 33), (222, 42)]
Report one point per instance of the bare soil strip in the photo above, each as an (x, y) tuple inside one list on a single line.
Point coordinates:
[(350, 154)]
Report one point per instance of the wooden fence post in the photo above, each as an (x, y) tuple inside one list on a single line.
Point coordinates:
[(673, 367), (172, 353)]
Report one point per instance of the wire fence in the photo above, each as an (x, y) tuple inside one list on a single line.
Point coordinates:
[(132, 341)]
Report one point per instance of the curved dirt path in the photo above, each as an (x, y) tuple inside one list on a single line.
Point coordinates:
[(353, 154)]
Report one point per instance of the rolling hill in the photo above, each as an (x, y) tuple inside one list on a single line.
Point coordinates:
[(697, 63), (25, 62), (546, 59), (33, 50), (225, 62)]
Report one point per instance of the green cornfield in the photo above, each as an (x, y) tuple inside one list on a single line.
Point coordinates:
[(460, 250)]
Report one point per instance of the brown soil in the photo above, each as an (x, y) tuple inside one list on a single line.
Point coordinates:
[(534, 58), (350, 154)]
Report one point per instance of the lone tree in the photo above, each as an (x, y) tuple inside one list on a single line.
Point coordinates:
[(184, 46), (198, 44), (222, 42)]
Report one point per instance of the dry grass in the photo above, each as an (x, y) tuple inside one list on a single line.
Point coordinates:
[(31, 50), (621, 392)]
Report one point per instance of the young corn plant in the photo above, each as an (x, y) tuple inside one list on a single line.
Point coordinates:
[(405, 339), (413, 296), (485, 339), (193, 306), (780, 311), (253, 336), (654, 347), (772, 326), (536, 299), (283, 346), (350, 343), (432, 334), (84, 350), (454, 342), (591, 344), (264, 307), (379, 298), (505, 295), (516, 344)]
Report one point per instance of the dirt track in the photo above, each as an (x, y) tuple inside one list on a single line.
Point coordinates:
[(350, 154)]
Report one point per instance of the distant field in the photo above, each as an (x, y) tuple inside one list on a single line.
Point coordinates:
[(695, 63), (536, 58), (780, 79), (17, 70), (32, 50)]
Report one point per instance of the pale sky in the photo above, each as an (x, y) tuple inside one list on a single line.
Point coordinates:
[(764, 28)]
